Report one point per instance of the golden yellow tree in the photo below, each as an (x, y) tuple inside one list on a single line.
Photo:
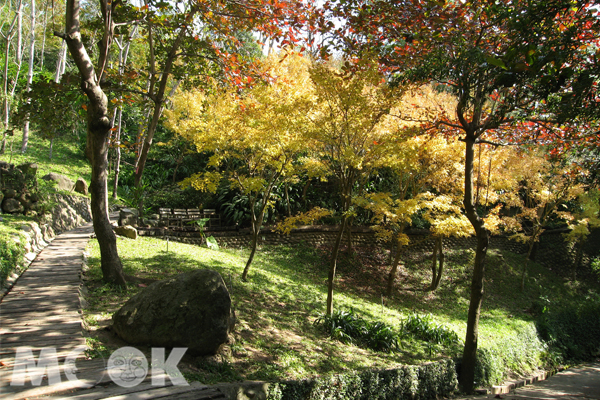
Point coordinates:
[(350, 136), (543, 188), (585, 219), (422, 167), (253, 137)]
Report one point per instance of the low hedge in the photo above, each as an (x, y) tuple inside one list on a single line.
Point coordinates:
[(571, 331), (520, 353), (427, 381), (12, 250)]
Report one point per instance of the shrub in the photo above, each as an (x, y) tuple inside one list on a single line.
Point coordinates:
[(424, 328), (174, 197), (347, 327), (428, 381), (520, 353), (571, 330), (12, 250)]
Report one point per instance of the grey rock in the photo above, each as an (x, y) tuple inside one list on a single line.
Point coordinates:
[(152, 223), (29, 168), (126, 230), (70, 212), (191, 310), (81, 186), (128, 216), (12, 206), (10, 193), (62, 182)]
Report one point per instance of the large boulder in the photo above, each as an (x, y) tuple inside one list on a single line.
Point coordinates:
[(126, 230), (29, 169), (81, 186), (191, 310), (128, 216), (12, 206), (62, 182)]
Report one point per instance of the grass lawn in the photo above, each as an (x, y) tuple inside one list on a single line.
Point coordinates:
[(276, 337), (68, 158)]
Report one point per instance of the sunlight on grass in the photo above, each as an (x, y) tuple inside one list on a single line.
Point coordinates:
[(68, 158), (275, 336)]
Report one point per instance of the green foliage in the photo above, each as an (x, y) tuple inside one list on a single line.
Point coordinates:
[(571, 329), (173, 197), (45, 191), (424, 328), (596, 265), (12, 250), (347, 327), (234, 206), (428, 381), (68, 159), (279, 341), (55, 109), (519, 353)]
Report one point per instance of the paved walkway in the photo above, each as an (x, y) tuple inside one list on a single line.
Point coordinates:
[(43, 311), (582, 382)]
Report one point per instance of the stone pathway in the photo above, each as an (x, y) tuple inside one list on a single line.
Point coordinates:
[(43, 311), (581, 382)]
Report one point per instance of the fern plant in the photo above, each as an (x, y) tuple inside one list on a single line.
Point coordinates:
[(347, 327)]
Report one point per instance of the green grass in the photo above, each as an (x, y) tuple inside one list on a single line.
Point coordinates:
[(12, 243), (68, 158), (276, 337)]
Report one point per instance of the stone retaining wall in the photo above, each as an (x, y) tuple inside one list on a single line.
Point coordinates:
[(552, 251)]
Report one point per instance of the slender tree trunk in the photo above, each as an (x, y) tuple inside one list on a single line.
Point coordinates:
[(118, 155), (578, 257), (529, 252), (43, 49), (434, 260), (25, 140), (257, 220), (97, 139), (393, 272), (467, 373), (438, 258), (333, 265), (159, 100), (253, 246), (60, 61), (5, 103)]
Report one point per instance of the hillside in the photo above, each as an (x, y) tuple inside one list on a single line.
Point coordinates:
[(276, 337)]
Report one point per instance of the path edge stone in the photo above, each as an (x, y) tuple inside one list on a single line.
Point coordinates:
[(28, 259)]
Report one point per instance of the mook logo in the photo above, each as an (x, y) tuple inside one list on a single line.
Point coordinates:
[(127, 367)]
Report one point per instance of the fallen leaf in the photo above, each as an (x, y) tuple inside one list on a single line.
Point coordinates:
[(142, 285)]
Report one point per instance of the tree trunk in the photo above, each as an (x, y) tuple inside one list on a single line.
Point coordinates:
[(43, 49), (159, 100), (99, 127), (438, 257), (529, 253), (393, 272), (253, 246), (467, 373), (578, 256), (118, 155), (257, 220), (333, 265), (25, 140), (5, 103)]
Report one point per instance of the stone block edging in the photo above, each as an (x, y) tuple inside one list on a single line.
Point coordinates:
[(509, 386)]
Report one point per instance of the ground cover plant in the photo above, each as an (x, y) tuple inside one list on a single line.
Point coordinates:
[(68, 158), (276, 337), (12, 244)]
